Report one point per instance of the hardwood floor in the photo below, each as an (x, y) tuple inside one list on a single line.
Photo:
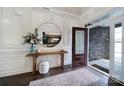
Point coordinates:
[(24, 79)]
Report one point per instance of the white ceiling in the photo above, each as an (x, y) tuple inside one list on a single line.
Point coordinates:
[(73, 10)]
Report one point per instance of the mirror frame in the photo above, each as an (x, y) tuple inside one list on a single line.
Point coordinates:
[(48, 39)]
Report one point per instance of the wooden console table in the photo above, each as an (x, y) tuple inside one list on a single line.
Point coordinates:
[(35, 55)]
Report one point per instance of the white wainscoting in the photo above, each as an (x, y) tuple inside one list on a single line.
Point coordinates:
[(14, 62), (16, 22)]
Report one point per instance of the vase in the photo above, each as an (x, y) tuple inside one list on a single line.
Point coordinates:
[(33, 48)]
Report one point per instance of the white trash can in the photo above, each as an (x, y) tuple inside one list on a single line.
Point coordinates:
[(44, 67)]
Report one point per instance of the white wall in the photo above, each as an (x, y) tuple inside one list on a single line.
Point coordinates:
[(93, 13), (16, 22)]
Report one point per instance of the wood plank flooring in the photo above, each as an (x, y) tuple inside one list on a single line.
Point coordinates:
[(24, 79)]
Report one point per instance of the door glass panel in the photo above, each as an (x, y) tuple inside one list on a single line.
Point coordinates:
[(117, 51), (118, 34), (79, 39), (118, 47), (117, 57)]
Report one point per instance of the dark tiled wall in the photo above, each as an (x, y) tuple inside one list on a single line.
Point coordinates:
[(99, 43)]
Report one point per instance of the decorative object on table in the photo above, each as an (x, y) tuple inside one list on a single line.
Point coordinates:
[(44, 67), (33, 40)]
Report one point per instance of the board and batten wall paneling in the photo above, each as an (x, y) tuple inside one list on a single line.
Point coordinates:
[(16, 22), (13, 26), (1, 26)]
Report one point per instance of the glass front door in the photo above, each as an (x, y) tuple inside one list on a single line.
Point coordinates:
[(117, 50)]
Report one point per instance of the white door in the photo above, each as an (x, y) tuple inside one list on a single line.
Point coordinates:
[(117, 49)]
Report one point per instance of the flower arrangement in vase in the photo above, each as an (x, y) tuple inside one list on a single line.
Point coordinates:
[(33, 40)]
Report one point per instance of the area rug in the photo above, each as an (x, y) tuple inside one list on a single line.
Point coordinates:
[(79, 77)]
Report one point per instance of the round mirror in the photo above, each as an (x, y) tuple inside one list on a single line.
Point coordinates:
[(49, 33)]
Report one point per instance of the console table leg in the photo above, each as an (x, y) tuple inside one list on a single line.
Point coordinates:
[(62, 61), (34, 64)]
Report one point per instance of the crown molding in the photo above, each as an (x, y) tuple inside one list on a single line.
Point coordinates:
[(53, 11), (65, 13)]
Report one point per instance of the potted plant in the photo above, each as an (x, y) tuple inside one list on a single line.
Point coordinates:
[(33, 40)]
